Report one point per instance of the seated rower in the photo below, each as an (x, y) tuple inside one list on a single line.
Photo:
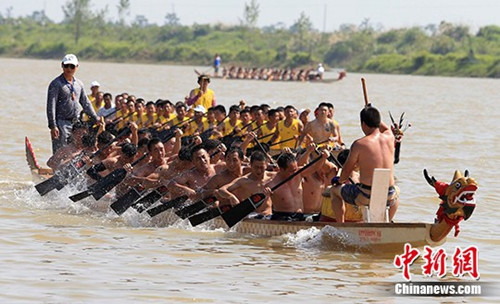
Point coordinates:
[(374, 150), (288, 200)]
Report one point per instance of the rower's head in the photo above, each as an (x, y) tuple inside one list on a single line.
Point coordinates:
[(200, 158), (322, 111), (370, 118), (234, 157), (219, 112), (130, 105), (287, 163), (129, 150), (150, 108), (156, 149), (180, 109), (234, 113), (290, 112), (108, 99), (139, 105), (103, 139), (245, 116), (78, 130), (258, 163), (273, 116), (89, 141)]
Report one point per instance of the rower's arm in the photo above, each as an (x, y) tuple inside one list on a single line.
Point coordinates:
[(350, 163), (275, 136), (225, 192), (303, 133)]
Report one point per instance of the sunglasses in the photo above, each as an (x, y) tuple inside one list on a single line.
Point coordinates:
[(69, 66)]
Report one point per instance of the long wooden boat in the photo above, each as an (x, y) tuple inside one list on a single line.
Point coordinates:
[(358, 234), (341, 76)]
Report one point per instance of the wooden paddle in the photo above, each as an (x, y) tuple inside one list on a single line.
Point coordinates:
[(192, 209), (147, 201), (365, 94), (71, 170), (211, 213), (125, 201), (245, 207), (99, 189), (174, 203)]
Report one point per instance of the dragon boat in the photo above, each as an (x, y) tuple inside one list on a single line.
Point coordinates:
[(457, 204), (341, 75)]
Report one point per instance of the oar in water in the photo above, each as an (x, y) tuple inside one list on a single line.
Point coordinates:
[(148, 200), (192, 209), (174, 203), (244, 208), (99, 189), (211, 213), (69, 171), (125, 201)]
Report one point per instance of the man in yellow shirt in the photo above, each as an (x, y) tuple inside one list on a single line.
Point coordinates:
[(202, 95)]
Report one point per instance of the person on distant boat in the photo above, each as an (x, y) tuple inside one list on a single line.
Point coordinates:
[(288, 199), (374, 150), (320, 71), (65, 97), (217, 63), (202, 95)]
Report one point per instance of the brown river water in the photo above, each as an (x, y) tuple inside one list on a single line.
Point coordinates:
[(56, 251)]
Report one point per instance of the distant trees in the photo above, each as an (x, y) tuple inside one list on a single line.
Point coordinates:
[(76, 12)]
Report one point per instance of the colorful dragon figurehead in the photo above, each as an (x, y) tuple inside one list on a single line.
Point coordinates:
[(457, 198)]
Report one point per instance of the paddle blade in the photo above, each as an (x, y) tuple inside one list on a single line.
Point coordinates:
[(48, 185), (148, 200), (196, 207), (244, 208), (175, 203), (108, 182), (79, 196), (127, 200), (211, 213)]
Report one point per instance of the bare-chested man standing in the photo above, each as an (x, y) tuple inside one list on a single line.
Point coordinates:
[(374, 150), (322, 129)]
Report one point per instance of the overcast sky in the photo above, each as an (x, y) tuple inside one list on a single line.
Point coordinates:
[(325, 14)]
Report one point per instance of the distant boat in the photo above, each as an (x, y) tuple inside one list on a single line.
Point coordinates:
[(310, 77)]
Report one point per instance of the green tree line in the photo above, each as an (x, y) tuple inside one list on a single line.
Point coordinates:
[(442, 49)]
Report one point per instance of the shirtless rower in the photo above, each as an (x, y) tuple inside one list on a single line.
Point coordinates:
[(190, 182), (233, 170), (249, 184), (374, 150), (322, 129), (66, 153), (288, 200)]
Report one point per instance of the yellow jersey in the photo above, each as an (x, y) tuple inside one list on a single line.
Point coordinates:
[(206, 99), (288, 132)]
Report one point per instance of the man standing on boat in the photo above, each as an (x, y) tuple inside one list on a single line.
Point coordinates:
[(374, 150), (65, 97), (202, 95), (217, 62)]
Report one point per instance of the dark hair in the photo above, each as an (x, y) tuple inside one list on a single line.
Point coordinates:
[(142, 142), (160, 102), (105, 138), (280, 109), (78, 125), (210, 144), (180, 104), (245, 110), (152, 142), (220, 108), (271, 112), (290, 107), (129, 149), (234, 109), (342, 157), (185, 154), (107, 94), (370, 116), (150, 103), (146, 133), (324, 104), (196, 149), (235, 150), (203, 77), (257, 156), (88, 140), (285, 159)]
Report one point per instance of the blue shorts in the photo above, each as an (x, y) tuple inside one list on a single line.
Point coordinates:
[(350, 192)]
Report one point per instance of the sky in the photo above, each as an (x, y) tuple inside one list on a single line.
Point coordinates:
[(325, 14)]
